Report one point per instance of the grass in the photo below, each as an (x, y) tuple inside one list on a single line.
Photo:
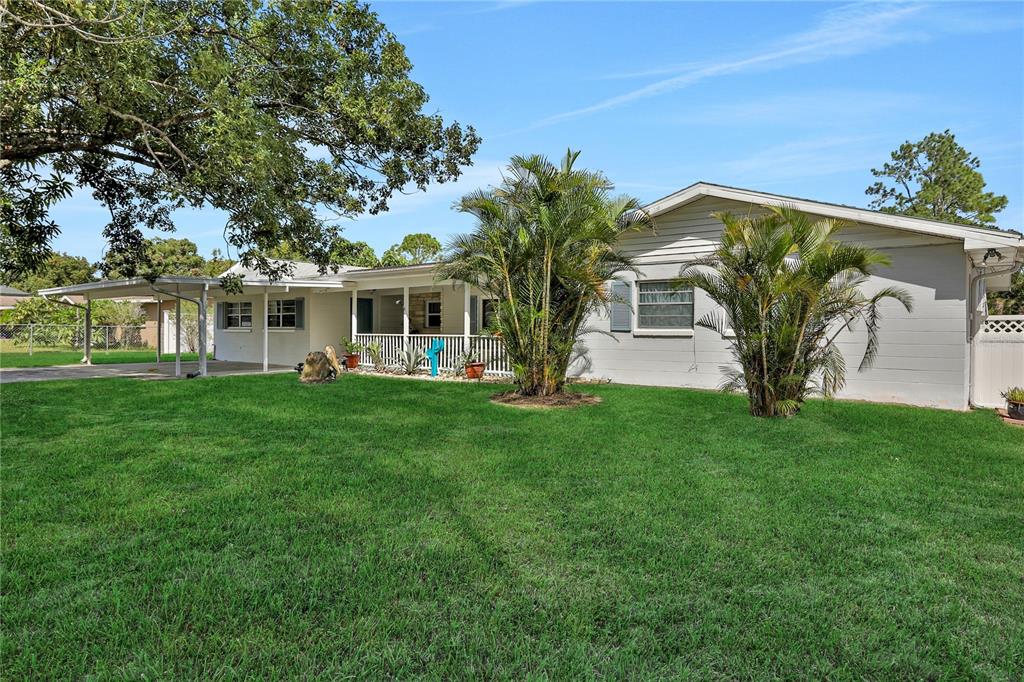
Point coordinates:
[(52, 358), (253, 527)]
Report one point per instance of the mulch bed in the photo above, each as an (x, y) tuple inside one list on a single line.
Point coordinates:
[(563, 399)]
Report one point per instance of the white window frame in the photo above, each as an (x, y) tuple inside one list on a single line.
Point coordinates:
[(237, 310), (276, 311), (640, 330), (427, 314)]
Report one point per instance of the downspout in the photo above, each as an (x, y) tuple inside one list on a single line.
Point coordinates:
[(976, 283)]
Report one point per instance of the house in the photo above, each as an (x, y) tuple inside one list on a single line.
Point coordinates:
[(925, 357), (10, 296)]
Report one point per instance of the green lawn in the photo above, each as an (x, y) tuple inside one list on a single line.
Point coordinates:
[(254, 527), (51, 358)]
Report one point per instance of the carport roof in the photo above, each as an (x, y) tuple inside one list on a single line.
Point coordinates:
[(139, 286)]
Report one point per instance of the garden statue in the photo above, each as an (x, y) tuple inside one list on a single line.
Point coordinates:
[(432, 354)]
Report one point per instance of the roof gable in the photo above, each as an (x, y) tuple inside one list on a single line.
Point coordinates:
[(973, 237)]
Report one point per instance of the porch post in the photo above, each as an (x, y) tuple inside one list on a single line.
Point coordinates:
[(465, 317), (159, 329), (355, 309), (177, 337), (266, 332), (405, 316), (202, 330), (87, 358)]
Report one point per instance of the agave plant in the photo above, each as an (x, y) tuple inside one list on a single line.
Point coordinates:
[(410, 359), (789, 290), (544, 247)]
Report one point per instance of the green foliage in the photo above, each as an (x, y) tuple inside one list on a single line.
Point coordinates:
[(414, 249), (938, 179), (216, 264), (276, 113), (352, 347), (1015, 394), (544, 247), (38, 310), (1009, 302), (160, 257), (789, 290), (341, 252), (377, 357), (58, 270)]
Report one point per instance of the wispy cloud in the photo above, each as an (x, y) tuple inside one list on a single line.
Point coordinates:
[(808, 158), (841, 32), (829, 107)]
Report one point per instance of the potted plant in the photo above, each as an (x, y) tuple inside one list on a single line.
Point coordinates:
[(472, 364), (352, 351), (1015, 402)]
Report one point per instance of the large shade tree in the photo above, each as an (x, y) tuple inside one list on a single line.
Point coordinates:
[(283, 115), (789, 290), (545, 246)]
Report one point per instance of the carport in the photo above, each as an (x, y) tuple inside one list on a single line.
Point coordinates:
[(192, 290)]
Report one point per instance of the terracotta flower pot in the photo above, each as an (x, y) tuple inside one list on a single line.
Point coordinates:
[(1014, 409), (352, 361), (474, 370)]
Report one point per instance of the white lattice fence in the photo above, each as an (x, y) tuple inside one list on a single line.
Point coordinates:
[(998, 358)]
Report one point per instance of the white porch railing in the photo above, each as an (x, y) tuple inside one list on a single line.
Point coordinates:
[(489, 348)]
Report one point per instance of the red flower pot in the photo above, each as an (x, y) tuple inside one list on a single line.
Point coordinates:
[(352, 361), (474, 370)]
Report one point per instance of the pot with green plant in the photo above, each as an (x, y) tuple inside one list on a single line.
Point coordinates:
[(352, 351), (1014, 402), (471, 364)]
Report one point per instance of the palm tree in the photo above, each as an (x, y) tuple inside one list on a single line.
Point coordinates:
[(544, 247), (789, 289)]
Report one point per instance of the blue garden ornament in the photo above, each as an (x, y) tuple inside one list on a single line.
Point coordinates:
[(432, 354)]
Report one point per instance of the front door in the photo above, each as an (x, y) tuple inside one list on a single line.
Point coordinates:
[(364, 316)]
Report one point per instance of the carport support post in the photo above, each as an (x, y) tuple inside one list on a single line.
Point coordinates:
[(159, 330), (177, 337), (87, 358), (202, 330), (266, 332)]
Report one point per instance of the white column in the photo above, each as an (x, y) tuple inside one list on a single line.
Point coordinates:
[(202, 330), (87, 357), (159, 329), (405, 315), (266, 330), (355, 310), (177, 337), (465, 316)]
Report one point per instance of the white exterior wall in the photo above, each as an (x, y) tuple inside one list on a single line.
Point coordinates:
[(922, 359), (287, 347)]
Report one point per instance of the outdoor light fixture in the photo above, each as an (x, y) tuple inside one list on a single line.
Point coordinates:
[(990, 254)]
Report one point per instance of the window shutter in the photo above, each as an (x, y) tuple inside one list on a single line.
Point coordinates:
[(622, 307), (474, 323), (222, 315), (300, 313)]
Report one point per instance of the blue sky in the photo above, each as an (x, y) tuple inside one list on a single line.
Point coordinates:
[(796, 98)]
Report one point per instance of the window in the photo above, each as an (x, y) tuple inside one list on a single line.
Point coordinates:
[(490, 307), (433, 314), (239, 315), (662, 306), (281, 314)]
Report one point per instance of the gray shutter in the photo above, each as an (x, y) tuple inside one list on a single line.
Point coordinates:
[(222, 315), (622, 307), (300, 313), (474, 313)]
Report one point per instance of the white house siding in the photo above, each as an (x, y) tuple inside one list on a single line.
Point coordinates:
[(922, 355), (286, 346)]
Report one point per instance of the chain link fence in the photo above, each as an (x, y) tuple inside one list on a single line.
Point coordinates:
[(36, 337)]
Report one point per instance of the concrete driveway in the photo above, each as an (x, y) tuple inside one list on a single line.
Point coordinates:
[(134, 370)]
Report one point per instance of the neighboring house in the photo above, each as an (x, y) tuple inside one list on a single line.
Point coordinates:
[(925, 357), (10, 297)]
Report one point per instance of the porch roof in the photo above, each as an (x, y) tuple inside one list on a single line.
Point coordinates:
[(187, 286)]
